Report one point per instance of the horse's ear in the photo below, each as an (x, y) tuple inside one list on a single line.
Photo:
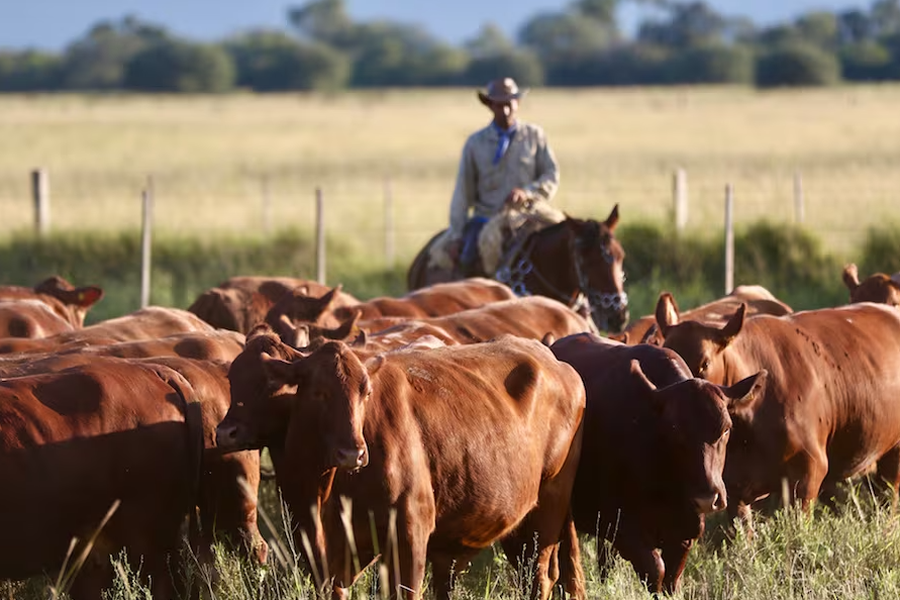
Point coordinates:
[(851, 277), (613, 219), (667, 314)]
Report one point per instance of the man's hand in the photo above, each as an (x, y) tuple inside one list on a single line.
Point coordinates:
[(454, 249), (518, 198)]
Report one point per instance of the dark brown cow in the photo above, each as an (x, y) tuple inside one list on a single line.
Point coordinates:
[(881, 288), (436, 300), (144, 324), (469, 444), (66, 301), (225, 509), (653, 452), (30, 319), (240, 303), (74, 442), (530, 317), (829, 410), (758, 299)]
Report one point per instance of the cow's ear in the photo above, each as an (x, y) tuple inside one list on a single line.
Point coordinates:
[(362, 338), (733, 326), (613, 219), (86, 296), (374, 363), (746, 393), (331, 297), (280, 372), (549, 339), (851, 277), (667, 314)]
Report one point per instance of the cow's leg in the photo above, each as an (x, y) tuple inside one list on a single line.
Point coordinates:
[(445, 568), (741, 511), (93, 578), (644, 558), (889, 473), (674, 556), (811, 470), (406, 556), (548, 524)]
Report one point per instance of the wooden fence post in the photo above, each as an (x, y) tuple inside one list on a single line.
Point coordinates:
[(146, 239), (729, 239), (40, 191), (388, 224), (320, 237), (799, 208), (680, 199)]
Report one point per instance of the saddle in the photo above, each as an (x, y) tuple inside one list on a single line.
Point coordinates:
[(504, 237)]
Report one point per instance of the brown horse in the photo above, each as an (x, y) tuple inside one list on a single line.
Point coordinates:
[(576, 261)]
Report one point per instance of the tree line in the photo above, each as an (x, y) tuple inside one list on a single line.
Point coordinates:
[(322, 48)]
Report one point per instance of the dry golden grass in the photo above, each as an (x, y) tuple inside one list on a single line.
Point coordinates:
[(209, 155)]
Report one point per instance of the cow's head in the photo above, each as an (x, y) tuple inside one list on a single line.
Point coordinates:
[(879, 287), (260, 405), (694, 429), (333, 389), (701, 346), (297, 307), (77, 301)]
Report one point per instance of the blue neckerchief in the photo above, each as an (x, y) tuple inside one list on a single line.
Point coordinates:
[(506, 136)]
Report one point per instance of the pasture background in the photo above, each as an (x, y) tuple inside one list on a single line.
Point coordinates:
[(208, 156)]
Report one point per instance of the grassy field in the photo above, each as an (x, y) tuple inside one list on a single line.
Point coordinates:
[(212, 157)]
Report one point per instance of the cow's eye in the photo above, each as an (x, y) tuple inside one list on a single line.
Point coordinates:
[(704, 366)]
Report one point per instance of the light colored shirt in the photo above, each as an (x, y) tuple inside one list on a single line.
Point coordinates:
[(481, 185)]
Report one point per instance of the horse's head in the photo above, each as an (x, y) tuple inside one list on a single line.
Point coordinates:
[(598, 257), (582, 258)]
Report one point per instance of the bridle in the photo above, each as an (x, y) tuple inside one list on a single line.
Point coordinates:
[(513, 274)]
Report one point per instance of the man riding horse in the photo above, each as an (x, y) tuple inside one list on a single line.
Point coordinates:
[(507, 176)]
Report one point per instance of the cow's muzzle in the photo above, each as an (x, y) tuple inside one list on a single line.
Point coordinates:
[(351, 459), (231, 438)]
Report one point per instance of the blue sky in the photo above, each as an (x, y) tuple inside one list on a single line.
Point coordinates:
[(50, 24)]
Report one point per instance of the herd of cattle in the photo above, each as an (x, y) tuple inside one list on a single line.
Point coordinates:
[(426, 427)]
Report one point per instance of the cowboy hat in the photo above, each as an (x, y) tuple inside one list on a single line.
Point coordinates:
[(501, 90)]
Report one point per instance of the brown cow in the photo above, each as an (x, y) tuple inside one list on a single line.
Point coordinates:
[(144, 324), (240, 303), (530, 317), (758, 299), (469, 444), (225, 509), (66, 301), (74, 442), (829, 410), (654, 447), (432, 301), (881, 288)]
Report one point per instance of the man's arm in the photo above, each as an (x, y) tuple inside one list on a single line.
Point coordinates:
[(547, 170), (463, 193)]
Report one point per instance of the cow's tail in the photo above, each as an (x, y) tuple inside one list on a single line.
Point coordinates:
[(570, 570), (193, 420)]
